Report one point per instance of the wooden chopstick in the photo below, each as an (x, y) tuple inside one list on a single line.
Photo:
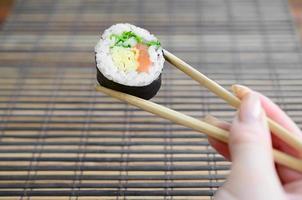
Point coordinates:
[(169, 114), (291, 139), (190, 122)]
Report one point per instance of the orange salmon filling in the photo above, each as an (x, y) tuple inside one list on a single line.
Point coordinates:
[(143, 59)]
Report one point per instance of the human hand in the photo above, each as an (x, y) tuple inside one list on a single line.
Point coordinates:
[(253, 173)]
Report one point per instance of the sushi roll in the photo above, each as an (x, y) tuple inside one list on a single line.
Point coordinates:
[(129, 59)]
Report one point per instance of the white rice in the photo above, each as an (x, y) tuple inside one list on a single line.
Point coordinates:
[(109, 70)]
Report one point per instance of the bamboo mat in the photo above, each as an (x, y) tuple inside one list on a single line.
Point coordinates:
[(59, 139)]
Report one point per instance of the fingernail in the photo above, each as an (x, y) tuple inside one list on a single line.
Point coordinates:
[(210, 119), (217, 122), (240, 91), (250, 108)]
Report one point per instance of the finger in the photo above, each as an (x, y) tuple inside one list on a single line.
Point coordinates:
[(249, 132), (253, 172), (220, 147), (271, 109), (278, 115), (275, 113), (217, 122)]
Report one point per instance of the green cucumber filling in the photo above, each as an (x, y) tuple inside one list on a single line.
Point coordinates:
[(128, 39)]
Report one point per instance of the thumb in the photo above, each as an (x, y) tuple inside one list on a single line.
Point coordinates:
[(253, 174), (250, 140)]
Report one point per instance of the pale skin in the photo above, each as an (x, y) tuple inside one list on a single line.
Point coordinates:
[(253, 172)]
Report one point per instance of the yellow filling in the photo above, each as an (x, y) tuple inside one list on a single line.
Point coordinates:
[(125, 58)]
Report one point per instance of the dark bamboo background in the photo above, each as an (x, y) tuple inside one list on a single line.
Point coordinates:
[(62, 140)]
